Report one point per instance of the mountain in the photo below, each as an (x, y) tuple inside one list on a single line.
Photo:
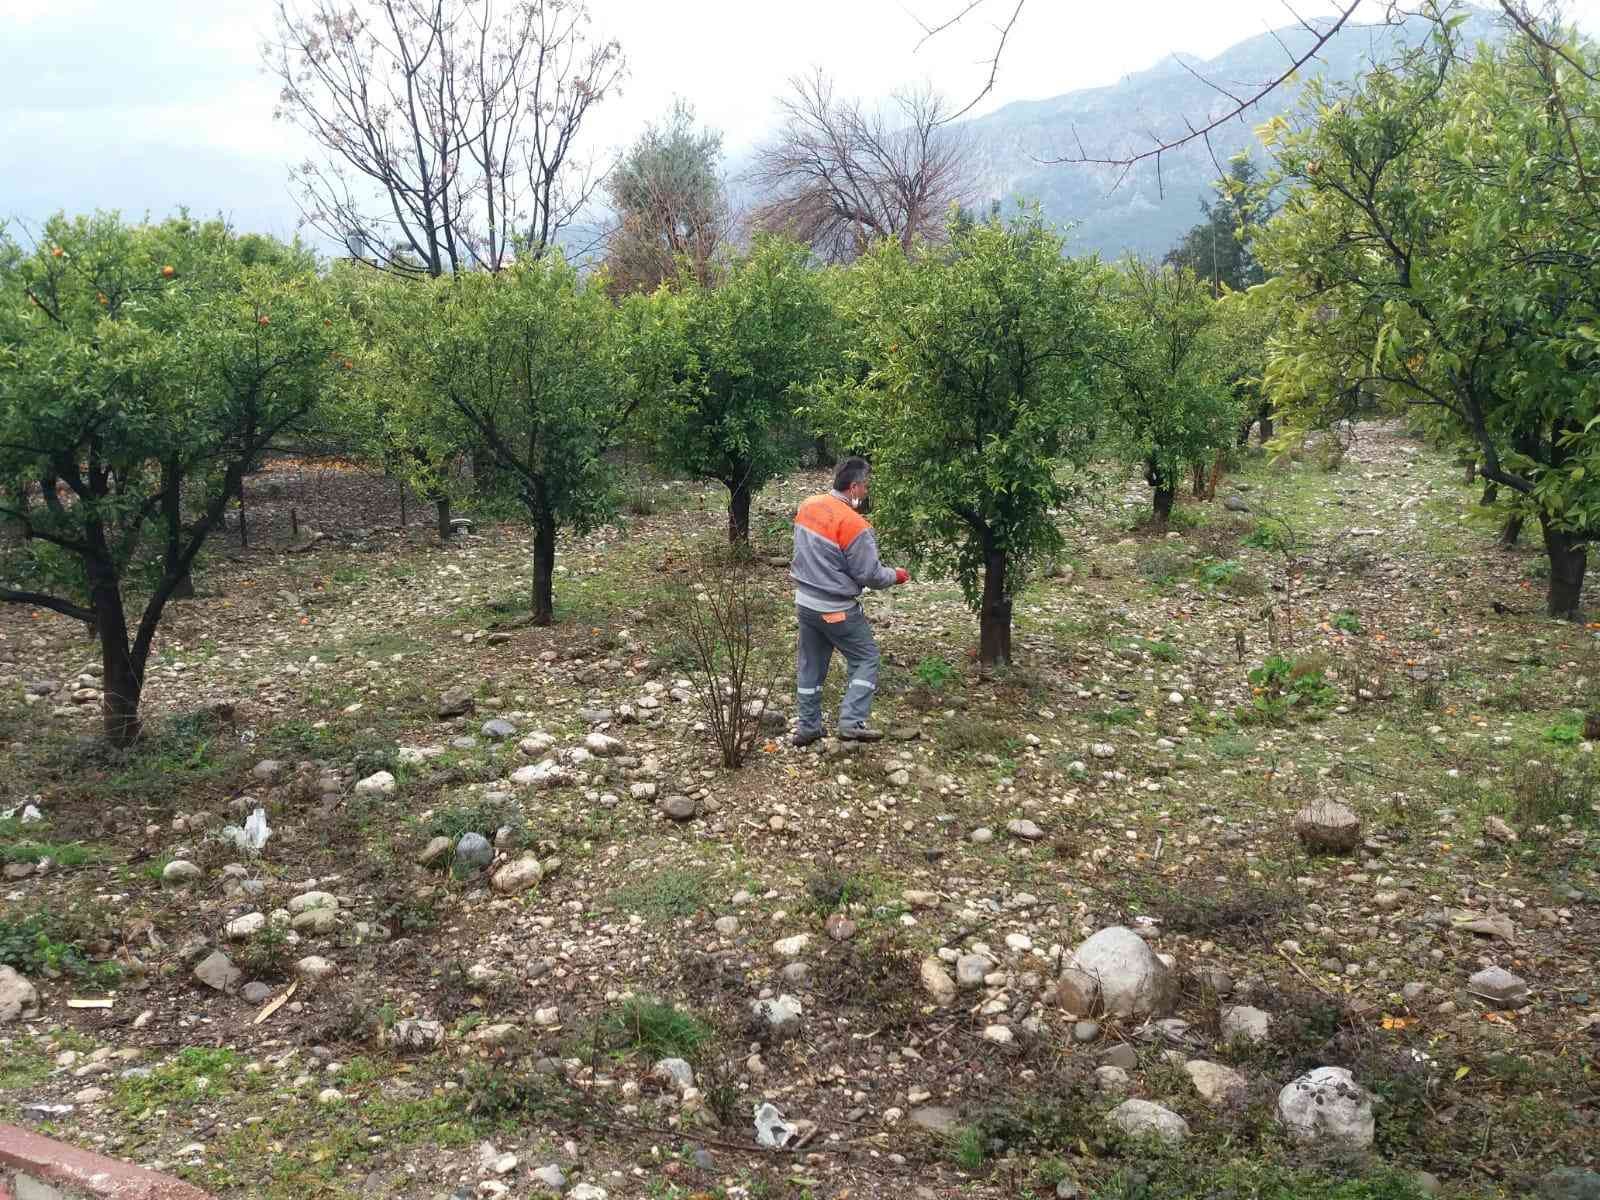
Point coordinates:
[(1141, 213)]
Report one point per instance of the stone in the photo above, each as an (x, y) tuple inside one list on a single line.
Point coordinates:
[(936, 981), (1078, 992), (1569, 1183), (547, 1018), (1327, 826), (379, 783), (180, 871), (1114, 1080), (999, 1034), (434, 852), (1245, 1024), (971, 969), (840, 927), (679, 808), (596, 716), (457, 702), (411, 1033), (217, 971), (517, 876), (1429, 1185), (674, 1071), (922, 900), (727, 926), (1026, 830), (603, 745), (316, 921), (1499, 987), (781, 1015), (1085, 1031), (267, 770), (256, 993), (473, 852), (550, 1178), (1142, 1118), (1214, 980), (1121, 1055), (792, 947), (1499, 830), (935, 1118), (587, 1191), (243, 927), (19, 999), (643, 791), (1216, 1083), (536, 744), (498, 730), (981, 835), (313, 967), (1329, 1107), (309, 900), (1132, 980), (546, 773), (796, 974)]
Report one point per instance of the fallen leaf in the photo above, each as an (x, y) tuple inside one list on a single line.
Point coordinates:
[(75, 1002), (273, 1006)]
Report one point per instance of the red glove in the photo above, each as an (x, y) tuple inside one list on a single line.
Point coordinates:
[(901, 575)]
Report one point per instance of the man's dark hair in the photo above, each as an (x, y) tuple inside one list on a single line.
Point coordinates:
[(851, 470)]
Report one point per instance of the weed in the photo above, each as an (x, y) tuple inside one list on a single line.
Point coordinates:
[(1347, 622), (62, 854), (1116, 716), (832, 890), (1162, 565), (194, 1075), (1163, 651), (41, 944), (1204, 906), (1281, 685), (1546, 794), (1565, 732), (967, 1149), (1272, 536), (966, 734), (266, 953), (934, 672), (656, 1028), (1218, 574), (479, 815), (1232, 746), (668, 894)]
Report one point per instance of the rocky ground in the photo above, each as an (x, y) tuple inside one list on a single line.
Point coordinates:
[(1270, 869)]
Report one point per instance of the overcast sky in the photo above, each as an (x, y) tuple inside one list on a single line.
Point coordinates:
[(143, 105)]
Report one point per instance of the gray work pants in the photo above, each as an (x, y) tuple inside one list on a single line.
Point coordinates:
[(818, 639)]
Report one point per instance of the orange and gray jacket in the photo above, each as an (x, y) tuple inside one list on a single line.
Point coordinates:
[(835, 555)]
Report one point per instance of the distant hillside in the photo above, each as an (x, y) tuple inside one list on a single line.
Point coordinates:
[(1113, 121)]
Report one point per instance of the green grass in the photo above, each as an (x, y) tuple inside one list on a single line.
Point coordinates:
[(45, 942), (62, 854), (668, 894), (194, 1076), (655, 1028), (22, 1065)]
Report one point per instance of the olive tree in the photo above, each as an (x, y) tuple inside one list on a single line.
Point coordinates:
[(977, 394), (139, 381)]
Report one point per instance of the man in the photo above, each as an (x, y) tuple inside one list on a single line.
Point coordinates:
[(835, 556)]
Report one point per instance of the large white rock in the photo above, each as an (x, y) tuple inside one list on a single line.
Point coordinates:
[(1327, 1105), (545, 774), (242, 927), (1141, 1118), (517, 876), (1132, 980), (180, 871), (936, 981), (379, 783), (1216, 1083), (1245, 1024), (18, 997), (603, 745)]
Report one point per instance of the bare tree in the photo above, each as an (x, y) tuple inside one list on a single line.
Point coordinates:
[(448, 126), (840, 177)]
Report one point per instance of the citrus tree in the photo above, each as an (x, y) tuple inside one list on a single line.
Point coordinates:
[(1172, 406), (143, 371), (746, 352), (520, 362), (1437, 248), (973, 390)]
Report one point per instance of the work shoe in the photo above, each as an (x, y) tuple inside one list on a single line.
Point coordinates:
[(804, 737), (860, 733)]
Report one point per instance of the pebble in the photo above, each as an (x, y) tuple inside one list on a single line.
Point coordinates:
[(1085, 1031)]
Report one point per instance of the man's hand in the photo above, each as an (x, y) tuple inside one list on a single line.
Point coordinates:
[(901, 575)]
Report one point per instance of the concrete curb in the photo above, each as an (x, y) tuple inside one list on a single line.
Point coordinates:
[(37, 1168)]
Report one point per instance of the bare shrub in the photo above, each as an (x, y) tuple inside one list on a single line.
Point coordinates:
[(729, 629)]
